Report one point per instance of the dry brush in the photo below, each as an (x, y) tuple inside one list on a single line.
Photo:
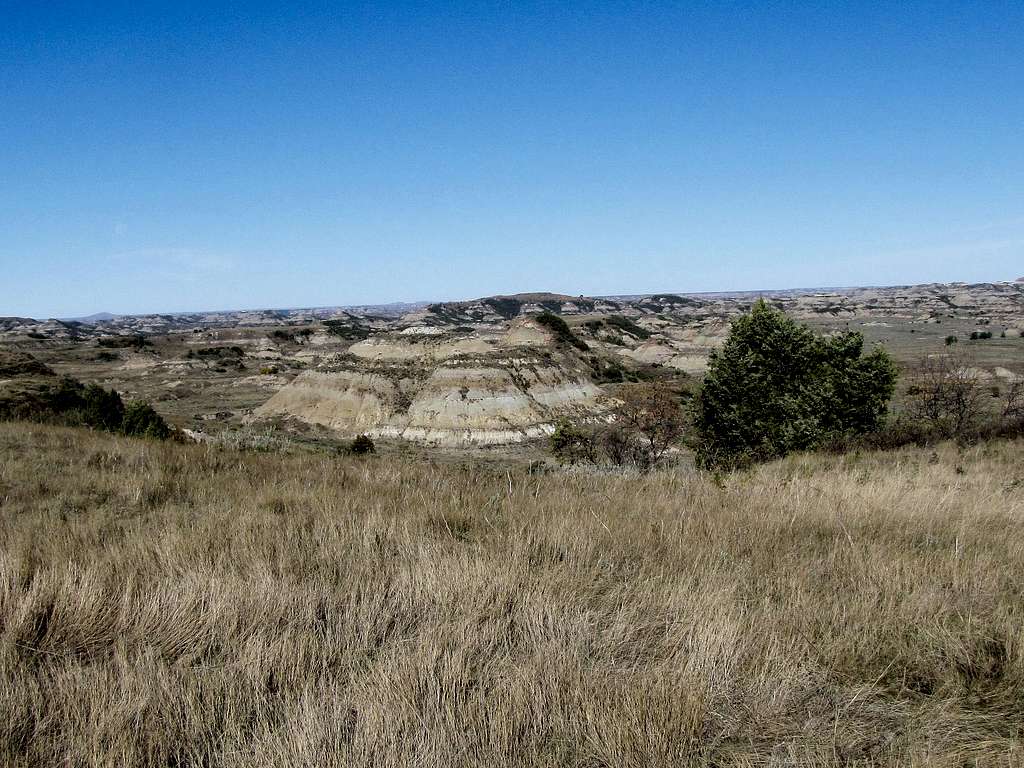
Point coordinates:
[(176, 605)]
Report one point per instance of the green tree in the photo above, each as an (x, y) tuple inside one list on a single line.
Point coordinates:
[(102, 408), (777, 387), (142, 421)]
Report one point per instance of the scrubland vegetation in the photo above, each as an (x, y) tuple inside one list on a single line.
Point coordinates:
[(560, 330), (181, 605), (164, 604), (64, 400), (777, 387)]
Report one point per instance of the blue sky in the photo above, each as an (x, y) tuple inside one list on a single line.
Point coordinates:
[(179, 156)]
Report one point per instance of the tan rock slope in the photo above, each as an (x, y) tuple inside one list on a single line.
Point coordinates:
[(496, 386)]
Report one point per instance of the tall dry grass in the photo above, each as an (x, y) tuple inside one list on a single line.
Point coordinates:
[(166, 605)]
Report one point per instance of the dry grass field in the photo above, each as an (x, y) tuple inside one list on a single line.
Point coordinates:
[(169, 605)]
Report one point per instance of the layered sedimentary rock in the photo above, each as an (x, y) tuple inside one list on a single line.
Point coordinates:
[(493, 388)]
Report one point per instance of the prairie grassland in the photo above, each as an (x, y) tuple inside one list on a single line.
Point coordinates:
[(168, 605)]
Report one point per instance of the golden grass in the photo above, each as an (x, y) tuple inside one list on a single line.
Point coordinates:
[(167, 605)]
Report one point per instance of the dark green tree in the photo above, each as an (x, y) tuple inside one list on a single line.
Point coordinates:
[(561, 331), (362, 445), (102, 408), (141, 420), (776, 387)]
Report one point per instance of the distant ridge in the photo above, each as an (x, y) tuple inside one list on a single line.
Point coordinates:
[(535, 297), (98, 317)]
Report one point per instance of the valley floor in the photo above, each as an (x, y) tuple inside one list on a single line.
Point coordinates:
[(163, 604)]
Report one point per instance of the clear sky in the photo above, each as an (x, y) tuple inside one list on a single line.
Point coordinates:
[(180, 156)]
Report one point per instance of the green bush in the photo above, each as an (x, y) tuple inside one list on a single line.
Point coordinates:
[(506, 306), (362, 445), (561, 331), (350, 330), (102, 408), (571, 444), (216, 353), (69, 402), (140, 420), (776, 387), (136, 341), (630, 327)]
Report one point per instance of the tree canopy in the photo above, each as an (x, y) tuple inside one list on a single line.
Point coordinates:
[(777, 387)]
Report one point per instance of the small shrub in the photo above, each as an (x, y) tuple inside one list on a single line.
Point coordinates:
[(140, 420), (630, 327), (947, 395), (69, 402), (621, 448), (951, 340), (102, 408), (572, 444), (216, 353), (362, 445), (124, 342), (652, 414), (349, 330), (606, 371)]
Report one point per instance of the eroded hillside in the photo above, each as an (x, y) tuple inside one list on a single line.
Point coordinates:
[(482, 372)]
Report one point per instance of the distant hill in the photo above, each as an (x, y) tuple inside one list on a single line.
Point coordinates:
[(507, 307), (536, 297), (98, 317)]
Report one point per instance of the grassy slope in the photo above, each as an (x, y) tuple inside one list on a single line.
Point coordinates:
[(175, 605)]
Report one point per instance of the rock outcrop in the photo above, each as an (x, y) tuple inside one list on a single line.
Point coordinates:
[(453, 390)]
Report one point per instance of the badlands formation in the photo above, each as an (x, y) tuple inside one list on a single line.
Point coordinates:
[(486, 372), (447, 388), (481, 372)]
